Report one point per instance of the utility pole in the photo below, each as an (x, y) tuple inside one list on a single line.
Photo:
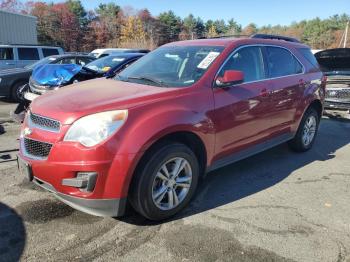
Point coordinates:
[(346, 34)]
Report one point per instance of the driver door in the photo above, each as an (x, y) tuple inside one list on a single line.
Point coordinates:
[(242, 110)]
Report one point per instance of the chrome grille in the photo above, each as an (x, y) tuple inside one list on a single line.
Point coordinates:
[(44, 122), (36, 149), (338, 94)]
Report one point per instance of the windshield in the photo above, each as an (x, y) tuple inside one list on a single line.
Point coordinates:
[(44, 61), (176, 66), (104, 64)]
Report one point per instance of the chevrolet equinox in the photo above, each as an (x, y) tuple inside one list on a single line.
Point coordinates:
[(187, 108)]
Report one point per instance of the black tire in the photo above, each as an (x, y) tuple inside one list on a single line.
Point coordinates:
[(297, 144), (141, 189), (16, 91)]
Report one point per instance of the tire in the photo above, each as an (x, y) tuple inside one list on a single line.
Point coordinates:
[(147, 195), (16, 91), (299, 143)]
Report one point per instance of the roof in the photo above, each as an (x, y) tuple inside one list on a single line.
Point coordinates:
[(13, 13), (233, 40), (72, 55)]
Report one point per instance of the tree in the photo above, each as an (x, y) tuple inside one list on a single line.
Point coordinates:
[(76, 7), (250, 29), (171, 26), (133, 34), (220, 26), (212, 31), (233, 27)]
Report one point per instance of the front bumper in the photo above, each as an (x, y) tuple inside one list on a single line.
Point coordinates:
[(336, 105), (97, 207)]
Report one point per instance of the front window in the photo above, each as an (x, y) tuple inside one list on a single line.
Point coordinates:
[(104, 64), (176, 66)]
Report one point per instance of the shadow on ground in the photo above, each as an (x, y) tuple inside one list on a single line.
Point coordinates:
[(259, 172), (12, 234)]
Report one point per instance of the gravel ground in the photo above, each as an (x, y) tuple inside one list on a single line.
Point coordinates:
[(275, 206)]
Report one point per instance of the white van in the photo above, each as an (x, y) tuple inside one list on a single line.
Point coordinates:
[(98, 53), (14, 56)]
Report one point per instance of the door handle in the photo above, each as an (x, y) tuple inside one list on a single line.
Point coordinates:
[(264, 92), (302, 83)]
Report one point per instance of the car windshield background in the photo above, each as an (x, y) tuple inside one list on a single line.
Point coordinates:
[(43, 61), (6, 53), (104, 64), (249, 60), (176, 66)]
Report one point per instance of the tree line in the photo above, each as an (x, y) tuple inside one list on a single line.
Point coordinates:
[(70, 25)]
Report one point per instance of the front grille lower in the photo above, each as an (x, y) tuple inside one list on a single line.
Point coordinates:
[(36, 149), (338, 94), (44, 122)]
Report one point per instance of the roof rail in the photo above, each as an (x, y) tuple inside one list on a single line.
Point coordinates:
[(222, 36), (275, 37)]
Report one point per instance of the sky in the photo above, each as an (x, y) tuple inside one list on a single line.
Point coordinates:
[(260, 12)]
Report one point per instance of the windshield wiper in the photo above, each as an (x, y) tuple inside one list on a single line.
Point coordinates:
[(147, 78)]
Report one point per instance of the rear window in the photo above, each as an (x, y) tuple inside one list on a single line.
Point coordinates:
[(28, 54), (282, 62), (50, 52), (309, 56)]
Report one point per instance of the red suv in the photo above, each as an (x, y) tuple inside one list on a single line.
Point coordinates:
[(187, 108)]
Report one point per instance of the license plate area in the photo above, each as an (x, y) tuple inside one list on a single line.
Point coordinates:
[(25, 169)]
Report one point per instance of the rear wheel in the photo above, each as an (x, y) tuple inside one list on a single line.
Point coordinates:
[(165, 182), (307, 131)]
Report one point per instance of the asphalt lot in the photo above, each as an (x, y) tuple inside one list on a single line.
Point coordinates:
[(275, 206)]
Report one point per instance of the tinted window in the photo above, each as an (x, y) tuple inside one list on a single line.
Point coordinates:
[(249, 60), (6, 54), (84, 60), (306, 52), (28, 54), (49, 52), (67, 60), (281, 62)]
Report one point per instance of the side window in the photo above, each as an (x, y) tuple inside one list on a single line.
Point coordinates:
[(28, 53), (282, 62), (50, 51), (306, 52), (83, 60), (249, 60), (6, 53), (67, 60)]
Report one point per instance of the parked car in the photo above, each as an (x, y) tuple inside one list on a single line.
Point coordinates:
[(12, 80), (53, 76), (19, 56), (187, 108), (335, 63), (98, 53)]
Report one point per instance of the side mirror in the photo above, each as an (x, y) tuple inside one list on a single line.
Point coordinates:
[(231, 77)]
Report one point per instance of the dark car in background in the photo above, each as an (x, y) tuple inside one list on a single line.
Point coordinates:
[(12, 80), (335, 63), (50, 77)]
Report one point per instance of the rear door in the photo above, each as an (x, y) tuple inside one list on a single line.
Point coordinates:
[(7, 58), (286, 84), (27, 56)]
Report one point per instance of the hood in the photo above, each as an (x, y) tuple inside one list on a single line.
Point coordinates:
[(14, 71), (72, 102), (54, 75), (334, 61)]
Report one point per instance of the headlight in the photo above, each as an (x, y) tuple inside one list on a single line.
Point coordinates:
[(93, 129)]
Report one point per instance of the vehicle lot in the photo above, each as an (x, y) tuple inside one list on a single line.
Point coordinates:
[(276, 206)]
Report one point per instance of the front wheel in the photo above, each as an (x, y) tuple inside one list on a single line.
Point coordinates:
[(165, 183), (307, 131)]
